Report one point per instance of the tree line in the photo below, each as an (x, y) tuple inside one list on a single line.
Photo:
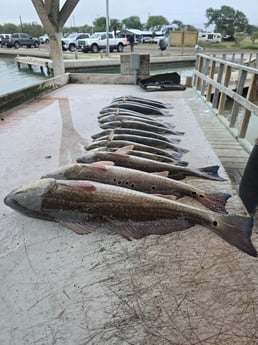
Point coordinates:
[(225, 20)]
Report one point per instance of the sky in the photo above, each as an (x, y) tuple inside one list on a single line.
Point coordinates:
[(188, 11)]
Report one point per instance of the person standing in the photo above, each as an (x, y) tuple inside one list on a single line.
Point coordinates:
[(131, 41)]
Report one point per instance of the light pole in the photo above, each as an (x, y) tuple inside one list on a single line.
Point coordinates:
[(107, 25)]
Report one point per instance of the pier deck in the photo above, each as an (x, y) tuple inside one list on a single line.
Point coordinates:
[(57, 287), (230, 152)]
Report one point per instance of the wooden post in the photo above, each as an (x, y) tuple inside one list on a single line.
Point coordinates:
[(205, 71), (223, 97), (251, 95), (235, 108), (211, 75), (200, 66), (217, 91)]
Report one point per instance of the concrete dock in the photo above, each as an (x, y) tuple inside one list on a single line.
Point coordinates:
[(60, 288)]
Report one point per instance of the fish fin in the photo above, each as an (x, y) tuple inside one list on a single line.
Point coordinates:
[(214, 201), (101, 165), (122, 151), (111, 135), (85, 185), (137, 230), (237, 231), (212, 172), (161, 173), (80, 229)]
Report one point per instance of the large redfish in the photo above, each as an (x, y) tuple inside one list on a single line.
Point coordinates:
[(106, 172), (83, 205)]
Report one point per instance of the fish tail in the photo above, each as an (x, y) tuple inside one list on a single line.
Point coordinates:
[(237, 231), (211, 173), (214, 201)]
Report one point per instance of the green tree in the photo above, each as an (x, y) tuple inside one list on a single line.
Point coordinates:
[(251, 29), (227, 20), (179, 26), (156, 22), (115, 24), (132, 22), (9, 28), (31, 29), (99, 24), (254, 36)]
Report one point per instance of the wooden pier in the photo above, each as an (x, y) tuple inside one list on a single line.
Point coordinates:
[(42, 63), (231, 153), (216, 80)]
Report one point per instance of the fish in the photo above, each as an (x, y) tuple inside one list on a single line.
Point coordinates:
[(143, 100), (152, 122), (121, 158), (145, 141), (128, 112), (137, 146), (123, 123), (135, 132), (82, 206), (107, 172), (141, 108), (132, 152)]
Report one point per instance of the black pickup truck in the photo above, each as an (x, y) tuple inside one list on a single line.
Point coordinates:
[(17, 40)]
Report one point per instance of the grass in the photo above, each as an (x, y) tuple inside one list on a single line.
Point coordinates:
[(246, 43)]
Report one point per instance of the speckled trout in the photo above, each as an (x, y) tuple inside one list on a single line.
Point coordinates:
[(83, 205), (121, 158)]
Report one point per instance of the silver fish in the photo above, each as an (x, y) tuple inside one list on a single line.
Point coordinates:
[(138, 125), (83, 205), (153, 122), (141, 108), (132, 152), (135, 132), (145, 141), (121, 111), (143, 100), (137, 146), (121, 158), (106, 172)]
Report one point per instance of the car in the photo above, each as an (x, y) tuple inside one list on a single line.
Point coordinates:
[(71, 41), (20, 39), (3, 39), (147, 39), (44, 39), (228, 38), (98, 41)]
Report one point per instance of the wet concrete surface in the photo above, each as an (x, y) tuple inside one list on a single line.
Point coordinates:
[(61, 288)]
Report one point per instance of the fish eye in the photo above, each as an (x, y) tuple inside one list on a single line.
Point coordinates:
[(193, 193), (153, 187), (214, 223), (132, 185), (201, 196)]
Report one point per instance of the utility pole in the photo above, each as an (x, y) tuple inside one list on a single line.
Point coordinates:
[(107, 25), (21, 23)]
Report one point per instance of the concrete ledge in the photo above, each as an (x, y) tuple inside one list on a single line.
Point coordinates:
[(15, 98)]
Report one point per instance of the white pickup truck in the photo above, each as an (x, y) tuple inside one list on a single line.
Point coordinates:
[(98, 41)]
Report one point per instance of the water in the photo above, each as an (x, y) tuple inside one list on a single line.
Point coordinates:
[(13, 79)]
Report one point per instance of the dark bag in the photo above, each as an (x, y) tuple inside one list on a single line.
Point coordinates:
[(248, 188)]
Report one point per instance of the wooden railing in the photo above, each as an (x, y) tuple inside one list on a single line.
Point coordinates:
[(229, 77)]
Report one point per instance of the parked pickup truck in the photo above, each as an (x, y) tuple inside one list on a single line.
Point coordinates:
[(98, 41)]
